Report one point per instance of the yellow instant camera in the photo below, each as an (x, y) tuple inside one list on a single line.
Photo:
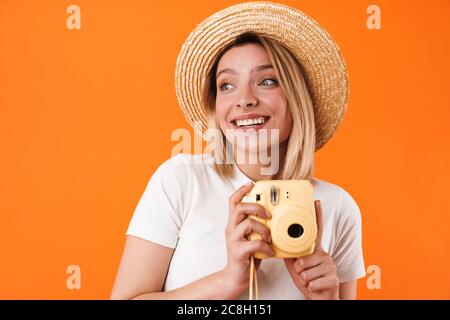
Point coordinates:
[(292, 225)]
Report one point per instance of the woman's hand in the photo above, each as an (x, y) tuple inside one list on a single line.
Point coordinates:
[(315, 275), (239, 249)]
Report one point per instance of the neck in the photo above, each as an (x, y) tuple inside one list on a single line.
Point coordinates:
[(254, 171)]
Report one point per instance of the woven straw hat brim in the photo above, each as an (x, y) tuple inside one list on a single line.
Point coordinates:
[(323, 65)]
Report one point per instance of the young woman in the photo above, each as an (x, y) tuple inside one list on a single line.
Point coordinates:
[(250, 68)]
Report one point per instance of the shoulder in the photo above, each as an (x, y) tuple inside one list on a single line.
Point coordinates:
[(184, 167), (184, 162), (184, 179), (189, 160), (342, 201)]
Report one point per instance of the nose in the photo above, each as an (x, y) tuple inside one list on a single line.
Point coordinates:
[(246, 98)]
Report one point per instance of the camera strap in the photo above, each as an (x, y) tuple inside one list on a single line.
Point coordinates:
[(253, 280)]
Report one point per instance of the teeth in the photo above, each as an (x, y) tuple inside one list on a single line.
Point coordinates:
[(250, 122)]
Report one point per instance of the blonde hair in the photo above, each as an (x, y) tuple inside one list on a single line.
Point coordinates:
[(299, 159)]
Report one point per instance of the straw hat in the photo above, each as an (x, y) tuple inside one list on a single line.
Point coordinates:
[(323, 65)]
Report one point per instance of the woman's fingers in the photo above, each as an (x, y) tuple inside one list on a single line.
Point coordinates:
[(247, 248), (314, 273), (248, 226), (325, 283), (238, 210), (242, 210), (240, 193), (307, 262), (289, 262), (239, 224)]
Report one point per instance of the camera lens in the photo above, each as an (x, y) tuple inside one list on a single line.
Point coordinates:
[(295, 230)]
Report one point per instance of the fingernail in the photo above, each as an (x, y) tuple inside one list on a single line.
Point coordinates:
[(268, 214), (248, 184)]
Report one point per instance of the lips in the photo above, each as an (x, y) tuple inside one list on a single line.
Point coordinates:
[(248, 116)]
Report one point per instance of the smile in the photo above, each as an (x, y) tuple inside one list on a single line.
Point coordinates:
[(250, 123)]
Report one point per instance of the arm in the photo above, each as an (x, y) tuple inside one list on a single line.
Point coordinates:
[(211, 287), (347, 290), (143, 270), (144, 264)]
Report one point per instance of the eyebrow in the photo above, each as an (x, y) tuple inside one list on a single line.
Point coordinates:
[(258, 68)]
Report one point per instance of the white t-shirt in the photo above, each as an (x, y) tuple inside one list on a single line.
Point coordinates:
[(185, 206)]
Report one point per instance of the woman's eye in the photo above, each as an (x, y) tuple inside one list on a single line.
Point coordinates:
[(225, 86), (269, 82)]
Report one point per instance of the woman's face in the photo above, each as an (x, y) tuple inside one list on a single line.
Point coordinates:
[(249, 98)]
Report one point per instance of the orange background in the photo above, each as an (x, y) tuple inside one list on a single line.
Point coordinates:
[(86, 117)]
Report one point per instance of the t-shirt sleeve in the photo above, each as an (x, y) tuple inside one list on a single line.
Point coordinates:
[(347, 253), (157, 215)]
